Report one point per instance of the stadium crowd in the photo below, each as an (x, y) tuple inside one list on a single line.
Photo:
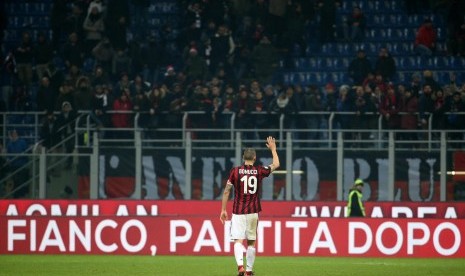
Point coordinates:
[(220, 57)]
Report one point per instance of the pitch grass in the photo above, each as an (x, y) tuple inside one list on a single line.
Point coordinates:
[(187, 265)]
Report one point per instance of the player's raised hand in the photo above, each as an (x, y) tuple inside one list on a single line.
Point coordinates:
[(223, 216), (271, 143)]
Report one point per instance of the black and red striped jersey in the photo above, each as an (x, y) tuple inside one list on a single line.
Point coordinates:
[(247, 182)]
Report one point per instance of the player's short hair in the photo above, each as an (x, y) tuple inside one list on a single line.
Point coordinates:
[(249, 154)]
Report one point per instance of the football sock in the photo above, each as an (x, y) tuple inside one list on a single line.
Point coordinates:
[(239, 254), (250, 257)]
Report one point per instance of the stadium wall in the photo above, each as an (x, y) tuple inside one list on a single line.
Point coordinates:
[(296, 228)]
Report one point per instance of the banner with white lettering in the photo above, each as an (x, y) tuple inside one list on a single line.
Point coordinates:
[(314, 174), (193, 228)]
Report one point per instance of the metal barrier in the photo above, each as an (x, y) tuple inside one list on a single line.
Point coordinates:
[(186, 138)]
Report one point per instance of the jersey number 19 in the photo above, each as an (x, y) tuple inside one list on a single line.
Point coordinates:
[(249, 181)]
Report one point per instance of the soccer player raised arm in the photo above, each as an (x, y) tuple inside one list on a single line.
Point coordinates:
[(271, 144)]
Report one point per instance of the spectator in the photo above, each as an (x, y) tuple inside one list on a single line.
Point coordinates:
[(260, 12), (56, 77), (456, 122), (74, 22), (66, 95), (18, 163), (242, 62), (217, 109), (169, 77), (65, 123), (359, 68), (313, 103), (46, 97), (284, 105), (94, 28), (354, 28), (195, 66), (425, 39), (201, 101), (21, 100), (389, 108), (96, 4), (223, 46), (57, 21), (103, 54), (176, 104), (101, 103), (408, 120), (73, 52), (194, 22), (344, 104), (43, 55), (50, 136), (327, 27), (242, 107), (425, 106), (363, 107), (385, 65), (123, 84), (141, 105), (261, 116), (117, 23), (152, 59), (269, 96), (439, 119), (229, 98), (428, 79), (157, 100), (121, 118), (265, 60), (99, 77), (455, 28), (295, 28), (329, 99), (24, 55), (83, 95), (121, 63), (277, 20), (415, 84), (74, 74), (138, 86)]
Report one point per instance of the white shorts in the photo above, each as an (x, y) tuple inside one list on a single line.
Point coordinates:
[(244, 227)]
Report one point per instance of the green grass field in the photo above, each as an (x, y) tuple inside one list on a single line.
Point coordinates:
[(184, 265)]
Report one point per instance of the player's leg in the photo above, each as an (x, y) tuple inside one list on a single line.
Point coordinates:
[(239, 255), (250, 257), (252, 223), (238, 234)]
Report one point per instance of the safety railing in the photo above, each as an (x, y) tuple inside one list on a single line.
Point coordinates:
[(174, 130)]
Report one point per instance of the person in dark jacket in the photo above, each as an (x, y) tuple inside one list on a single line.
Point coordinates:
[(385, 65), (43, 55), (359, 68), (409, 120), (355, 206)]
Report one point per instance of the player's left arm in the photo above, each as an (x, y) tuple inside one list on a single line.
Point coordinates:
[(271, 144), (224, 202)]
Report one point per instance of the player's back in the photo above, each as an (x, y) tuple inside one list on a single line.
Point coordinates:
[(247, 181)]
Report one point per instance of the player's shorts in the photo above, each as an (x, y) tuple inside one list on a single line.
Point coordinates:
[(244, 227)]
